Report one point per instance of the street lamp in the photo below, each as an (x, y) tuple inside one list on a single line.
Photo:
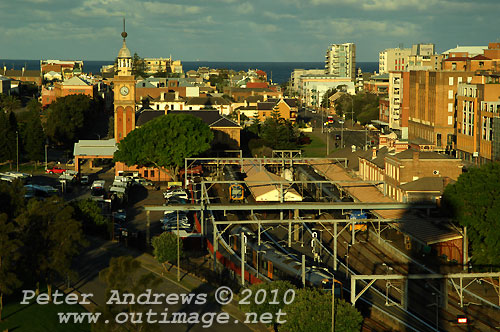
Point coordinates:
[(46, 145), (17, 151)]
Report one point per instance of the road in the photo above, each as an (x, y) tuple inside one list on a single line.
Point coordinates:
[(97, 257), (352, 135)]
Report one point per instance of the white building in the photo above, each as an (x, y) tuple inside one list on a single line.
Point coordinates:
[(393, 59), (313, 87), (341, 60)]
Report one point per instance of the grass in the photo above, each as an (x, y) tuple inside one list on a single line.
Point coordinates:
[(317, 148), (30, 168), (38, 318)]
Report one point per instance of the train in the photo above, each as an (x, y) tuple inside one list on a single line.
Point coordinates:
[(236, 190), (270, 261)]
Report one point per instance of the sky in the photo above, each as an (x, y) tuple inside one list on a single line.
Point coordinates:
[(239, 30)]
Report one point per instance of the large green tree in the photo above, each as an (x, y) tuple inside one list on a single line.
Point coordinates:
[(279, 133), (474, 201), (9, 254), (165, 247), (34, 137), (365, 106), (52, 237), (138, 66), (311, 310), (164, 143), (71, 118), (8, 136)]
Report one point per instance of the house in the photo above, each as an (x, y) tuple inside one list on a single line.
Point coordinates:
[(5, 85)]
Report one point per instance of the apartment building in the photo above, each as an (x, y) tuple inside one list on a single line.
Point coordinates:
[(431, 101), (478, 119), (341, 60), (392, 59), (155, 65)]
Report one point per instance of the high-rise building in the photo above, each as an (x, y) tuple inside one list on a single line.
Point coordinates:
[(341, 60)]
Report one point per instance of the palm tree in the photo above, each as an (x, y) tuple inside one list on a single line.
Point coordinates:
[(10, 103)]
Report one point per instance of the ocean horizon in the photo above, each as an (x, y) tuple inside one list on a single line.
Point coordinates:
[(278, 72)]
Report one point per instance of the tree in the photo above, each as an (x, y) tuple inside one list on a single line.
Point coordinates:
[(474, 202), (12, 198), (365, 106), (10, 103), (90, 214), (8, 137), (138, 66), (279, 133), (70, 118), (34, 137), (270, 304), (123, 276), (8, 255), (52, 237), (164, 143), (165, 247), (325, 102), (302, 316), (34, 105)]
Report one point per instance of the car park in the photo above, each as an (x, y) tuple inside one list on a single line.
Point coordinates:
[(120, 216)]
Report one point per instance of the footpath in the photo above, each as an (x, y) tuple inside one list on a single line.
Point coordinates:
[(188, 281)]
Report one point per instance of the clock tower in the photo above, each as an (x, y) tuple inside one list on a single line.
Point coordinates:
[(124, 93)]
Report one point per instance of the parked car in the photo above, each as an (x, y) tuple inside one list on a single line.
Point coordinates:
[(176, 200), (176, 192), (120, 216), (55, 170), (85, 180), (173, 228)]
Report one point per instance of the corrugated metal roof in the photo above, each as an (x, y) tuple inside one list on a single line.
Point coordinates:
[(103, 148), (427, 231)]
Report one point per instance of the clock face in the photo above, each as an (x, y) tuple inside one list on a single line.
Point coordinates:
[(124, 90)]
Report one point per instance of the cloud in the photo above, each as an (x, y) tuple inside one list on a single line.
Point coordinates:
[(244, 8), (354, 28), (171, 9), (264, 28), (276, 16)]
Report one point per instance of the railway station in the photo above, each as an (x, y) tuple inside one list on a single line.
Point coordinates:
[(309, 221)]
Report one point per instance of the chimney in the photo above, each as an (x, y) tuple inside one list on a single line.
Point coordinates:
[(22, 72), (246, 103), (374, 153), (416, 155)]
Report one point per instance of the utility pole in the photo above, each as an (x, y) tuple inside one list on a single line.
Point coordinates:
[(342, 135), (243, 251), (46, 156), (178, 251), (333, 304)]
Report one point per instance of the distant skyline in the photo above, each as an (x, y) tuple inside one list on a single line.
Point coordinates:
[(234, 30)]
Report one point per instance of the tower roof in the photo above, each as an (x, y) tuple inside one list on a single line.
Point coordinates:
[(124, 51)]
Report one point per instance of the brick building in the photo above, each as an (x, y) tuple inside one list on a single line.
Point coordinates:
[(431, 120), (478, 119)]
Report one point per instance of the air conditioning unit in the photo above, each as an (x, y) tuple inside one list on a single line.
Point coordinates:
[(435, 172)]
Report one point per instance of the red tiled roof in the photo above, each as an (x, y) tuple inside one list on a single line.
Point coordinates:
[(458, 58), (257, 85), (480, 57)]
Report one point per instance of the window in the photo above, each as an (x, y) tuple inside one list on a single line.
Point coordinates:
[(438, 140), (450, 81), (450, 94), (469, 79), (450, 120), (459, 79), (450, 107), (145, 173), (152, 173)]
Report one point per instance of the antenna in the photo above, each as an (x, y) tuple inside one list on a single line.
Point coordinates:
[(124, 34)]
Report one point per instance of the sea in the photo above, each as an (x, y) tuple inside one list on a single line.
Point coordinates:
[(278, 72)]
